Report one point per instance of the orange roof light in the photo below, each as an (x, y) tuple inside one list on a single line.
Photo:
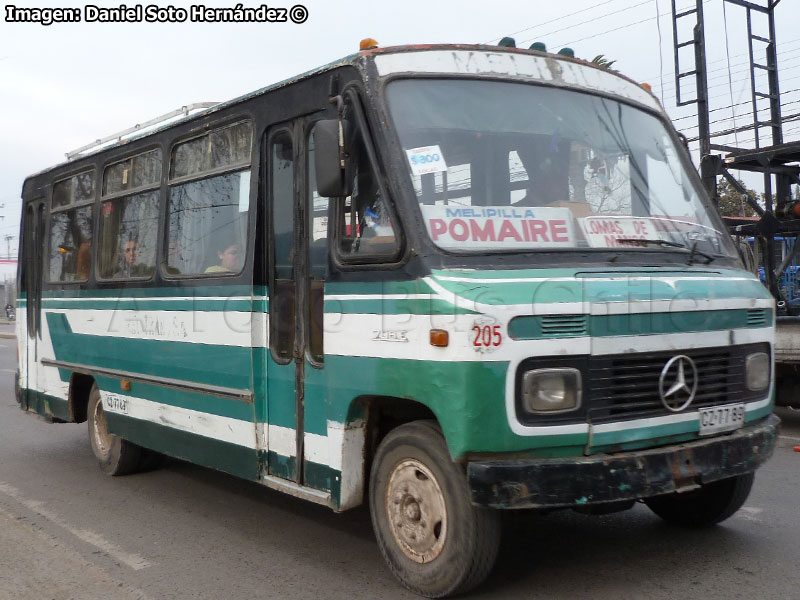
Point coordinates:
[(368, 44), (647, 86)]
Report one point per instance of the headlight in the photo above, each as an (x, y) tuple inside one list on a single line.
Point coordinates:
[(551, 390), (757, 371)]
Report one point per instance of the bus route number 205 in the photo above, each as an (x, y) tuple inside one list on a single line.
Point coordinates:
[(486, 336)]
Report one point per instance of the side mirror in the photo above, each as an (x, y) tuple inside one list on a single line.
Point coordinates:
[(333, 180)]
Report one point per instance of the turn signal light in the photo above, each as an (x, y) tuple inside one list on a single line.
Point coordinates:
[(440, 338), (125, 384)]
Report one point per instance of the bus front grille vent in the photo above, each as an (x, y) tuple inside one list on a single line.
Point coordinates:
[(756, 317), (564, 325), (627, 386)]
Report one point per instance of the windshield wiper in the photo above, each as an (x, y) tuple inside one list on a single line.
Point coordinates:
[(692, 251)]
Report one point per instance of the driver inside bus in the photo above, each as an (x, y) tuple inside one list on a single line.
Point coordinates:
[(546, 162), (373, 216)]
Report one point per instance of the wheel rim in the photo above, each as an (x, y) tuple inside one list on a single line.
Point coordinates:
[(417, 511), (100, 435)]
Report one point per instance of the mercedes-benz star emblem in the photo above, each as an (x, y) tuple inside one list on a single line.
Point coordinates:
[(677, 384)]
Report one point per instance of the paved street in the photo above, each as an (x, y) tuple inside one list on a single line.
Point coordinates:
[(68, 531)]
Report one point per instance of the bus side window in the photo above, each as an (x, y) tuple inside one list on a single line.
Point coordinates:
[(318, 208), (365, 225), (282, 278), (208, 210), (70, 244), (129, 224)]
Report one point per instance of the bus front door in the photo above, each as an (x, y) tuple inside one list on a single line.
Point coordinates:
[(285, 357), (30, 284)]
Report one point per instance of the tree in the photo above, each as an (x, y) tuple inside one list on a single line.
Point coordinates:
[(601, 61), (732, 203)]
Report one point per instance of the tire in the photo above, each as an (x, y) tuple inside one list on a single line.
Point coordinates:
[(711, 504), (150, 460), (435, 541), (115, 455)]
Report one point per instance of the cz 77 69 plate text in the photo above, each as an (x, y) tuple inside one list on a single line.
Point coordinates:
[(721, 418)]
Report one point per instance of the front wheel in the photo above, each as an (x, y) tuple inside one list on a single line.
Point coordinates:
[(435, 541), (115, 455), (711, 504)]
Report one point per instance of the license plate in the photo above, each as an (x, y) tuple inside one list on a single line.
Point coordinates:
[(721, 418), (116, 404)]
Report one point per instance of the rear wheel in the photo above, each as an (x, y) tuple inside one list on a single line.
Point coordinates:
[(115, 455), (434, 540), (711, 504)]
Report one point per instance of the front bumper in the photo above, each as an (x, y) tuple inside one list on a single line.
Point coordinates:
[(570, 482)]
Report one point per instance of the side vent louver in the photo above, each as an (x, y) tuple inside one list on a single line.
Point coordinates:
[(756, 317), (563, 325)]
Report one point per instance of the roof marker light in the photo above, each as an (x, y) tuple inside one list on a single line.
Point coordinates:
[(507, 42), (368, 44), (567, 52), (538, 46)]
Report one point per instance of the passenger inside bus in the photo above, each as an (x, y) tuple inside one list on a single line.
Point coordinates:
[(130, 264), (229, 259)]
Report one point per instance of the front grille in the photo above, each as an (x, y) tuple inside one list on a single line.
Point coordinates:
[(563, 325), (756, 317), (625, 386)]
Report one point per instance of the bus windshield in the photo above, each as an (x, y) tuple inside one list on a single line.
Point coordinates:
[(501, 166)]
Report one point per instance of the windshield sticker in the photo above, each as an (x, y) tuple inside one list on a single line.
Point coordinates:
[(606, 232), (427, 159), (499, 227)]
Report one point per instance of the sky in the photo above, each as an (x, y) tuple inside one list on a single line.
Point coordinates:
[(67, 84)]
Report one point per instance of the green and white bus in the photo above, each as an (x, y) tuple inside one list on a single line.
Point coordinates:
[(446, 281)]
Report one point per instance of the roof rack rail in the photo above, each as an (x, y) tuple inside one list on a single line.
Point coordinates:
[(183, 110)]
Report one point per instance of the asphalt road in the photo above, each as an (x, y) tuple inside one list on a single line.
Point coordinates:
[(67, 531)]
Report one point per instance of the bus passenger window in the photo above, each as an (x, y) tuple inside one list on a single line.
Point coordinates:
[(206, 219), (129, 224), (128, 231), (70, 244), (207, 226), (70, 250)]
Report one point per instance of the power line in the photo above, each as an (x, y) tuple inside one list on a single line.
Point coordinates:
[(795, 51), (616, 12), (589, 37), (724, 83), (713, 62), (783, 104), (577, 12), (660, 56)]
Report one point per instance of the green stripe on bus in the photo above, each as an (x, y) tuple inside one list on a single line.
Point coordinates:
[(44, 404), (204, 403), (227, 366), (530, 327), (208, 452)]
